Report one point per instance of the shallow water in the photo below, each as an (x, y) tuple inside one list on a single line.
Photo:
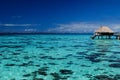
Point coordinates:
[(58, 57)]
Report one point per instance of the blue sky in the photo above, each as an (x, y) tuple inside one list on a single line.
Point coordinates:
[(58, 15)]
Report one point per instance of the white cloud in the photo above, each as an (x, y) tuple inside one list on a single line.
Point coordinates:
[(75, 27), (115, 27), (82, 27), (19, 24), (29, 30), (23, 27)]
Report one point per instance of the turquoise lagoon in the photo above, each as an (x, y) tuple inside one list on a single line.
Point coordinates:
[(58, 57)]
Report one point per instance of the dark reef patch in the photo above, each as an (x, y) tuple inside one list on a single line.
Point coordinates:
[(0, 54), (69, 55), (26, 57), (51, 58), (68, 49), (40, 47), (103, 50), (34, 74), (6, 58), (115, 52), (51, 47), (12, 46), (42, 71), (88, 75), (106, 77), (94, 57), (70, 62), (57, 76), (79, 56), (9, 42), (103, 77), (16, 60), (16, 53), (77, 46), (83, 65), (60, 58), (45, 57), (30, 63), (82, 53), (19, 50), (26, 75), (63, 46), (97, 69), (111, 60), (117, 77), (115, 65), (10, 65), (38, 79), (65, 71), (13, 79), (52, 64)]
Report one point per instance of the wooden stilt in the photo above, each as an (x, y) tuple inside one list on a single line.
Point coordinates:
[(116, 37), (101, 36), (109, 37)]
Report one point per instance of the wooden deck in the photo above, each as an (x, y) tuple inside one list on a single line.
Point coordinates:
[(117, 35), (106, 36)]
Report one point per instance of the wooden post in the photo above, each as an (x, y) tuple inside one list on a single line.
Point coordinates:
[(98, 36), (106, 36), (102, 36), (109, 36), (116, 37)]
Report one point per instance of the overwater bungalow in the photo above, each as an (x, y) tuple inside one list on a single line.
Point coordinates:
[(103, 32)]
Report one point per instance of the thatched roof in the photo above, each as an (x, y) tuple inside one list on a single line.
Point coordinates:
[(104, 29)]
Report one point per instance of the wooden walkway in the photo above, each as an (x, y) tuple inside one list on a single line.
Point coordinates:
[(117, 35), (93, 36)]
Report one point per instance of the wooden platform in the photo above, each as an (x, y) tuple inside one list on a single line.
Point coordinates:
[(117, 35), (106, 36)]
